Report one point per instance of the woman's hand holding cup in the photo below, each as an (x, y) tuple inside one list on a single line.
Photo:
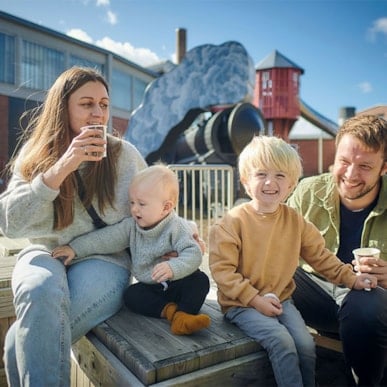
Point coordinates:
[(95, 148)]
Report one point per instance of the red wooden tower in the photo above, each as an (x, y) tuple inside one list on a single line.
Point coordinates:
[(277, 93)]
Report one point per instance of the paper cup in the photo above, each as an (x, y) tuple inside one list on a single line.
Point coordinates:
[(365, 252), (362, 252), (103, 129)]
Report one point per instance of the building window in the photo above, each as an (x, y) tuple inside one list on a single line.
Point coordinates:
[(78, 61), (40, 66), (295, 80), (7, 59), (121, 90), (266, 81)]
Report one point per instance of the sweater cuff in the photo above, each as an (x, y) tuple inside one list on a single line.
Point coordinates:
[(42, 190), (248, 295)]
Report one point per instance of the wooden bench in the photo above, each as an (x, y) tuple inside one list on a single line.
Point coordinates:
[(133, 350)]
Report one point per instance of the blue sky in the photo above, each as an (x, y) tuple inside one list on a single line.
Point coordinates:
[(341, 44)]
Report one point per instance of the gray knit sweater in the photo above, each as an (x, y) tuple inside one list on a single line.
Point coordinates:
[(146, 246), (26, 209)]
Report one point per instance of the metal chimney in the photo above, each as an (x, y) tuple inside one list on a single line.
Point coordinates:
[(181, 44), (345, 113)]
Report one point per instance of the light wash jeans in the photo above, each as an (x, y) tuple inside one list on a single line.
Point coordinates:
[(286, 339), (55, 308)]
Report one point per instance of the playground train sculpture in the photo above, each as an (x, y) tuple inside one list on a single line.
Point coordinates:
[(200, 111)]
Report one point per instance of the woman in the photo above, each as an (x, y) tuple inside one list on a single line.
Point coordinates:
[(56, 304)]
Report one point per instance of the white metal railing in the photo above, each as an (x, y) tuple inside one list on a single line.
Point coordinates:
[(206, 193)]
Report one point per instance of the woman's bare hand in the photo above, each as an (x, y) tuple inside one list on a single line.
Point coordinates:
[(82, 148)]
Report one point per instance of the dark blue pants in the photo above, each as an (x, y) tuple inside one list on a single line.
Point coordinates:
[(188, 293), (361, 324)]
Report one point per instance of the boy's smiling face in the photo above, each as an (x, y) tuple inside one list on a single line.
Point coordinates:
[(267, 189)]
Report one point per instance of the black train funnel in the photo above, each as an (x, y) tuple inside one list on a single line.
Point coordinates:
[(222, 137)]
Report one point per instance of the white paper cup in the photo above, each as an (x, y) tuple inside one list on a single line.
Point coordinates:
[(103, 129), (365, 252)]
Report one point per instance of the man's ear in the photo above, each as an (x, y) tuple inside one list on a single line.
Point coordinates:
[(384, 169)]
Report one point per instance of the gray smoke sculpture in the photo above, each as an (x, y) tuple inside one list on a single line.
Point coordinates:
[(209, 75)]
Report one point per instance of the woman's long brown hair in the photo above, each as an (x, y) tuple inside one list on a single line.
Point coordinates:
[(48, 135)]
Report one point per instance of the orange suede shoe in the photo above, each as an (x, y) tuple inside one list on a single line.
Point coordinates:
[(185, 323)]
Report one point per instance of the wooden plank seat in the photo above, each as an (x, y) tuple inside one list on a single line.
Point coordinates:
[(326, 342), (134, 350), (145, 347)]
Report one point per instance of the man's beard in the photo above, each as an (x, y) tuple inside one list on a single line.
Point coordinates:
[(362, 193)]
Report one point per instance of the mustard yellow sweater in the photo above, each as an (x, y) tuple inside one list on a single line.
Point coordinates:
[(251, 253)]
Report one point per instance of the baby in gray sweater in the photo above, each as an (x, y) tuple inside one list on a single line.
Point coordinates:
[(172, 288)]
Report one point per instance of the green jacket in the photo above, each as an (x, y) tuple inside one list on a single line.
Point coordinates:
[(318, 200)]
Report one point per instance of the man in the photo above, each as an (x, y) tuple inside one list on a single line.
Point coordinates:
[(349, 207)]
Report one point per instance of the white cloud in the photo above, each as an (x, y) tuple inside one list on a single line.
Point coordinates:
[(379, 26), (365, 87), (102, 3), (112, 17), (80, 35), (141, 56)]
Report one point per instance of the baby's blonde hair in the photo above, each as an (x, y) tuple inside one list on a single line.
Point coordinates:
[(268, 152), (162, 177)]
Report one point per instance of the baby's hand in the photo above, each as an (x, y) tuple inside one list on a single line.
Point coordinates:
[(64, 253), (162, 272), (365, 281)]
